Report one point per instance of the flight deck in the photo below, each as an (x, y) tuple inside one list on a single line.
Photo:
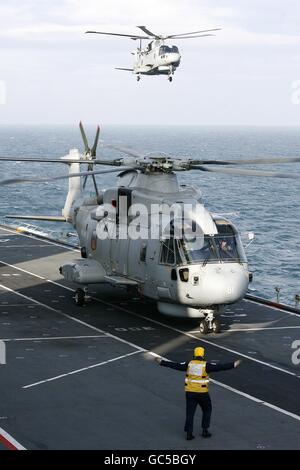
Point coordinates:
[(83, 378)]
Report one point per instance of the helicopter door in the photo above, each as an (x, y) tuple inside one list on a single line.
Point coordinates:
[(120, 244), (119, 256), (150, 255), (137, 259), (167, 277)]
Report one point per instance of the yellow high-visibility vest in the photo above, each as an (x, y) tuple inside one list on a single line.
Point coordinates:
[(196, 379)]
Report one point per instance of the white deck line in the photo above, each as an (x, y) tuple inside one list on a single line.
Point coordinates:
[(51, 338), (273, 307), (77, 371), (11, 440), (256, 329)]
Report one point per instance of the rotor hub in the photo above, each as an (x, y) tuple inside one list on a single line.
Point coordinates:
[(157, 163)]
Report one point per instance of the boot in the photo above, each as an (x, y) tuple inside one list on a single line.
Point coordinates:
[(206, 433), (189, 436)]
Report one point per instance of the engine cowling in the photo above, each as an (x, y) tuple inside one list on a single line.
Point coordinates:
[(83, 271)]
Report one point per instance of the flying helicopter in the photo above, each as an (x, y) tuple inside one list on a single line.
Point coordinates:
[(157, 58), (187, 276)]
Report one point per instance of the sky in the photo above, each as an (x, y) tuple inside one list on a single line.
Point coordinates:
[(52, 73)]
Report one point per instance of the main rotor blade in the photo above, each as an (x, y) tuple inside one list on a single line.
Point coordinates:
[(84, 138), (50, 218), (197, 36), (193, 32), (132, 36), (38, 160), (146, 30), (256, 161), (55, 178), (234, 171), (115, 162), (127, 151), (94, 148), (132, 153)]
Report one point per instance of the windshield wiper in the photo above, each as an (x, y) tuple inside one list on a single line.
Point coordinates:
[(206, 260)]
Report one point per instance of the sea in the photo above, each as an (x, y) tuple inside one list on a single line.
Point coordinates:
[(268, 207)]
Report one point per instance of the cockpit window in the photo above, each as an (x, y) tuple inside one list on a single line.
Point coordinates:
[(212, 249), (223, 247), (229, 243), (167, 255), (168, 49), (227, 247), (224, 228), (178, 255), (163, 50), (199, 251)]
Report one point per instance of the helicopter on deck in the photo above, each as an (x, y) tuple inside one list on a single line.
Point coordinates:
[(151, 235), (157, 58)]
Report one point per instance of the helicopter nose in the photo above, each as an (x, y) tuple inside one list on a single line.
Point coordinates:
[(216, 285), (175, 58), (224, 287)]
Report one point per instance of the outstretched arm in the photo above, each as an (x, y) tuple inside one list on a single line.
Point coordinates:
[(213, 367), (172, 365)]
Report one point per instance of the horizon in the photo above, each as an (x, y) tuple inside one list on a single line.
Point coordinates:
[(89, 124)]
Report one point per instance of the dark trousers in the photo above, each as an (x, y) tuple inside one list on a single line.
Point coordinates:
[(192, 400)]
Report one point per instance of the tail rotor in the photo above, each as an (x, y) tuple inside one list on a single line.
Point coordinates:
[(90, 154)]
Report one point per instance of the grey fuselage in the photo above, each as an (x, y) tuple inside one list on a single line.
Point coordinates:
[(184, 283), (156, 59)]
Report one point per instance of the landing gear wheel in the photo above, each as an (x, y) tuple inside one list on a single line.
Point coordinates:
[(216, 326), (138, 78), (79, 297), (170, 79), (204, 327)]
